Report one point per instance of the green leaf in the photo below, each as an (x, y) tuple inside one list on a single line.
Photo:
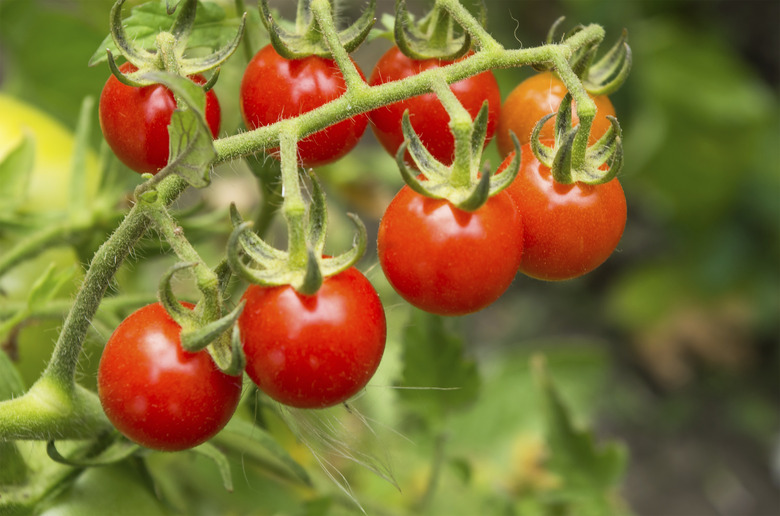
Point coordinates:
[(437, 377), (191, 142), (212, 29), (15, 171), (589, 473), (260, 447), (220, 460)]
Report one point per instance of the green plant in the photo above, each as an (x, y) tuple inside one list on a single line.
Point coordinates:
[(167, 47)]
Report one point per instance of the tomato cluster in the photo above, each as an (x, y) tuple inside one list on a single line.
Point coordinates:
[(318, 350)]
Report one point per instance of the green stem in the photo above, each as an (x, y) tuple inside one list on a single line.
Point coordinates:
[(586, 109), (433, 481), (481, 37), (207, 281), (55, 407), (247, 42), (462, 127), (59, 307), (324, 17), (366, 98), (293, 206)]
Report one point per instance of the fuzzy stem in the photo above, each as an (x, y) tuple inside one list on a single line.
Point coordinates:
[(366, 98), (207, 281), (586, 110), (481, 37), (462, 127), (324, 17), (55, 406), (293, 206)]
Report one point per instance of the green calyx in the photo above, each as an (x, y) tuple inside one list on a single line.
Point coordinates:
[(171, 46), (304, 37), (462, 183), (205, 327), (599, 77), (434, 36), (570, 158), (303, 265)]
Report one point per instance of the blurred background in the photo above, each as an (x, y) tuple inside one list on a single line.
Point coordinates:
[(671, 347)]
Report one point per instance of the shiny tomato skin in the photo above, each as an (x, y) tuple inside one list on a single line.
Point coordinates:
[(536, 97), (445, 260), (568, 230), (135, 121), (313, 351), (156, 393), (274, 88), (428, 116)]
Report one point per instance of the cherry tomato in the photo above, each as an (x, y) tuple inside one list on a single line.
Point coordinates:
[(135, 121), (313, 351), (535, 97), (445, 260), (156, 393), (568, 230), (429, 118), (274, 88)]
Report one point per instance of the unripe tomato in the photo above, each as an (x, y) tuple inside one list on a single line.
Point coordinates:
[(532, 100), (135, 121)]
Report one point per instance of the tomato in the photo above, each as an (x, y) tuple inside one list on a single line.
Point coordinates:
[(568, 230), (155, 392), (313, 351), (445, 260), (274, 88), (429, 118), (536, 97), (135, 121)]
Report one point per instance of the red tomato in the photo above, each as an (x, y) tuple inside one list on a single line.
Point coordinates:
[(568, 230), (274, 88), (429, 118), (448, 261), (135, 121), (157, 394), (536, 97), (313, 351)]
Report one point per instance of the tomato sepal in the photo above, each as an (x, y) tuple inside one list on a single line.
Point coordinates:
[(601, 77), (432, 37), (569, 158), (171, 46), (442, 181), (307, 39)]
